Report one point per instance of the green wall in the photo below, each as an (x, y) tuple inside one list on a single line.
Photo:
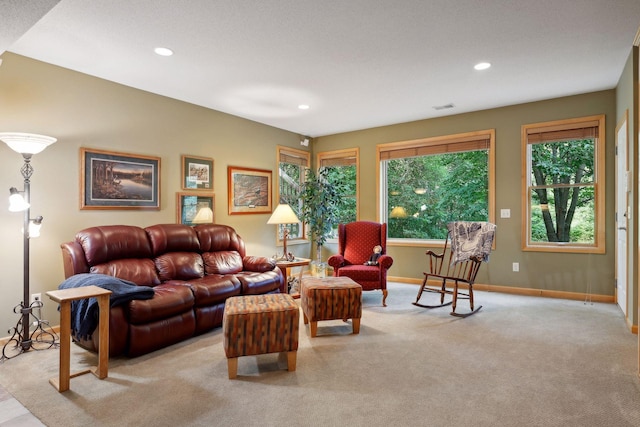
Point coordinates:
[(84, 111), (577, 273)]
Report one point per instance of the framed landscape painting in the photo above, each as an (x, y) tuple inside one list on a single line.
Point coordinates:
[(249, 190), (112, 180), (197, 173)]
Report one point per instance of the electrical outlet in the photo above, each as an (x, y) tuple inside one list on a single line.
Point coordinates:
[(36, 297), (516, 266)]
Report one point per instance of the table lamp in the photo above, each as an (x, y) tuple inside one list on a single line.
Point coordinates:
[(283, 214)]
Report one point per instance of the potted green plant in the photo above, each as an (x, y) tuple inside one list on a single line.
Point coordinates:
[(320, 202)]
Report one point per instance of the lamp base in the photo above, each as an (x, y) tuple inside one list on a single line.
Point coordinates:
[(23, 339), (284, 257)]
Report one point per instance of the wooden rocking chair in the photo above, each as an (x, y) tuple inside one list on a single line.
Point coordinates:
[(446, 274)]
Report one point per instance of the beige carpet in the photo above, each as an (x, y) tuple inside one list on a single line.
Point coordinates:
[(521, 361)]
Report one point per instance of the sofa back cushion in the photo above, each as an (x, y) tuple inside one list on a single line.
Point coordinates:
[(217, 237), (122, 251), (166, 238), (139, 271), (176, 251), (113, 242), (179, 266), (222, 262)]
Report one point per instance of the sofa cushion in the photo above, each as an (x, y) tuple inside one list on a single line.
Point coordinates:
[(218, 237), (214, 288), (139, 271), (179, 266), (112, 242), (172, 238), (169, 300), (222, 262)]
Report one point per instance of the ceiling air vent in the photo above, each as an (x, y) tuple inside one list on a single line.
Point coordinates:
[(443, 107)]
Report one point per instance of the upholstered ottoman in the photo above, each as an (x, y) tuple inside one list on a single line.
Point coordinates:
[(260, 324), (330, 298)]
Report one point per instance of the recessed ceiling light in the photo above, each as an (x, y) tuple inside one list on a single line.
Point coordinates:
[(303, 107), (482, 66), (163, 51)]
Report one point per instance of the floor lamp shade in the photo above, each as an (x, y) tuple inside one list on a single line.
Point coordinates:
[(26, 143)]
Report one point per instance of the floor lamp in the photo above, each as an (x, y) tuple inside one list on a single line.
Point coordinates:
[(23, 339)]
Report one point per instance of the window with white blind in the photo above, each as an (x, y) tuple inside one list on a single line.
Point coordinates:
[(343, 166), (563, 185), (292, 164), (426, 183)]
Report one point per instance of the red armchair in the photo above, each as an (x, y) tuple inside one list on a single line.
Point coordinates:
[(356, 241)]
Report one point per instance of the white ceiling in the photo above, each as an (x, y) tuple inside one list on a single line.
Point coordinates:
[(357, 63)]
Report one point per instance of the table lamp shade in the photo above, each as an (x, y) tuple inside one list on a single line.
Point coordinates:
[(283, 214)]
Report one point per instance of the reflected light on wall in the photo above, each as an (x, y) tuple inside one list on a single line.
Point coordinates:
[(204, 216)]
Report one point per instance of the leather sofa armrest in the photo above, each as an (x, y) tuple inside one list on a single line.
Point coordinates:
[(73, 259), (259, 264), (336, 261)]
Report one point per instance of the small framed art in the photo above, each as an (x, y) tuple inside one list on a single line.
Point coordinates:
[(197, 173), (195, 208)]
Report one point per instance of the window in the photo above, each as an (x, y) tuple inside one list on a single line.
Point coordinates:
[(426, 183), (292, 165), (343, 166), (563, 207)]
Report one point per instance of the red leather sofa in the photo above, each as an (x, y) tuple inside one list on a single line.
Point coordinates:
[(192, 270)]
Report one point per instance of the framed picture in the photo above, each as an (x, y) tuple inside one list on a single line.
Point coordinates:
[(195, 208), (197, 173), (111, 180), (249, 190)]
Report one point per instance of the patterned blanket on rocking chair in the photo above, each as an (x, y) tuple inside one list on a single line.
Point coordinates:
[(470, 239)]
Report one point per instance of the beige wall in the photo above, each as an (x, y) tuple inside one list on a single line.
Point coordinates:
[(83, 111), (541, 271)]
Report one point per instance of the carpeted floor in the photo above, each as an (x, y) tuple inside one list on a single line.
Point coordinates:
[(521, 361)]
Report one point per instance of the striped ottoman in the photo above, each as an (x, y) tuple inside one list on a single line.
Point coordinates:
[(260, 324), (330, 298)]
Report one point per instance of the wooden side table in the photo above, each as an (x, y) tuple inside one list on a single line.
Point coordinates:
[(285, 265), (64, 298)]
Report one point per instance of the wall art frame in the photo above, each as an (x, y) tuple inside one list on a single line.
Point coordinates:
[(189, 204), (249, 190), (115, 180), (196, 173)]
